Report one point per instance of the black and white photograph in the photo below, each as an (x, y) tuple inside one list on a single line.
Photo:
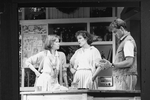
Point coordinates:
[(74, 50)]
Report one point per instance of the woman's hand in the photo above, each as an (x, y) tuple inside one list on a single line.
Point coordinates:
[(37, 74), (73, 71), (93, 78), (66, 66)]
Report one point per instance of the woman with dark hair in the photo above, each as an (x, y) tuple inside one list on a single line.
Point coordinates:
[(84, 61), (50, 62)]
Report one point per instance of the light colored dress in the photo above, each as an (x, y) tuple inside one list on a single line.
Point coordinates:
[(85, 61), (48, 80)]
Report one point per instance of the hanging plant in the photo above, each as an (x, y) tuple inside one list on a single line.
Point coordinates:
[(67, 10)]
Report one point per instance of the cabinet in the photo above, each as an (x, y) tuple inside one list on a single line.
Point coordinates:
[(33, 33)]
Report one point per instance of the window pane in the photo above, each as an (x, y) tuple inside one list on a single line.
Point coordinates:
[(66, 31), (100, 31)]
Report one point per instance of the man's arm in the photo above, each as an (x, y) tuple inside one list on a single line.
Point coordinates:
[(126, 63), (129, 56)]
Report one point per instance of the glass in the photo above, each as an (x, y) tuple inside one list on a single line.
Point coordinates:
[(67, 31), (106, 51), (100, 31), (38, 88), (74, 85)]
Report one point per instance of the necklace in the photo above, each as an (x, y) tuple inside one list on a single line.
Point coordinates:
[(53, 60), (54, 63)]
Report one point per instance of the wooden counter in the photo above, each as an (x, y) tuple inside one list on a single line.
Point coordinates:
[(82, 95)]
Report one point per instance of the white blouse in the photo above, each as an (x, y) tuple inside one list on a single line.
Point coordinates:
[(48, 59), (86, 58)]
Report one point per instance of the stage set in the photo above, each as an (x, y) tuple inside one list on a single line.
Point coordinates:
[(37, 22)]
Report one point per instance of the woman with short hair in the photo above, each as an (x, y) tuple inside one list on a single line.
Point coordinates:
[(50, 62), (84, 61)]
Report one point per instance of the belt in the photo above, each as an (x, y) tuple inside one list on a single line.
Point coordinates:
[(47, 73)]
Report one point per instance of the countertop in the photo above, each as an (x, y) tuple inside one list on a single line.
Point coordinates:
[(95, 93)]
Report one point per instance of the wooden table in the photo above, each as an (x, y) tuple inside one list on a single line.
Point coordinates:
[(82, 95)]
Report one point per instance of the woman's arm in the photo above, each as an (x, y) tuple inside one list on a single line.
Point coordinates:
[(41, 66), (96, 60), (96, 73), (31, 61), (102, 65), (129, 56), (73, 58), (65, 77), (64, 69), (73, 70)]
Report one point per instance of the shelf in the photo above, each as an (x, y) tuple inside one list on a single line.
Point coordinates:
[(69, 20), (94, 43)]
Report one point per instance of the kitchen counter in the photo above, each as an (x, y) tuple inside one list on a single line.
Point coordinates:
[(82, 95)]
